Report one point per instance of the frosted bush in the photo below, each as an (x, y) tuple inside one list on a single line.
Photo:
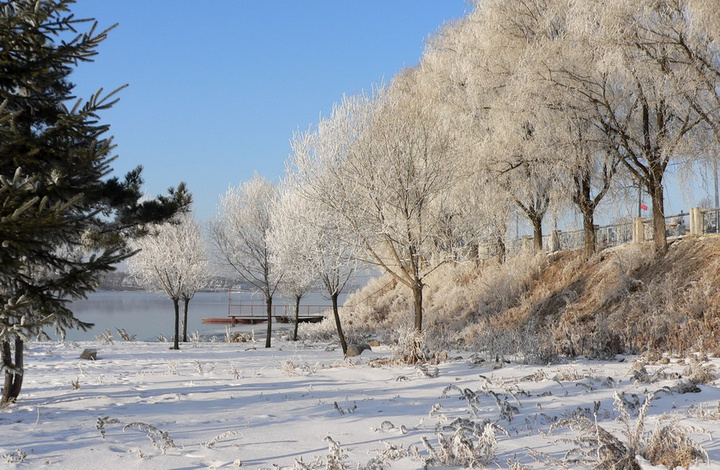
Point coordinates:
[(668, 444), (460, 448), (321, 331), (411, 347)]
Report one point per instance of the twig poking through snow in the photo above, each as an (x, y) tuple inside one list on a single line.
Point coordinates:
[(209, 444), (163, 443), (102, 421)]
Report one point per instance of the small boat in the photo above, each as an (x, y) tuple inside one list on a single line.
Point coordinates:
[(235, 319), (250, 321), (217, 320)]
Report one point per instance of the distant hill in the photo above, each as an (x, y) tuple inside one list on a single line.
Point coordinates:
[(121, 281)]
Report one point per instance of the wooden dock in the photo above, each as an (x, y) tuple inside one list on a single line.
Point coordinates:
[(254, 319), (254, 312)]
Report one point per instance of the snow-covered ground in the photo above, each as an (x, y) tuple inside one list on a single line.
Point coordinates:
[(217, 405)]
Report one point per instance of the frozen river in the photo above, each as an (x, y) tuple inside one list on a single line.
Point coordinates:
[(147, 315)]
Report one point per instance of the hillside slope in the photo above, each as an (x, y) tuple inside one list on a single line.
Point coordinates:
[(623, 300)]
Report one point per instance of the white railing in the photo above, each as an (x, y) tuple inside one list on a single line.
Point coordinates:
[(676, 225)]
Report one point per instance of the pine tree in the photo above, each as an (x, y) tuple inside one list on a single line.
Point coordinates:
[(63, 220)]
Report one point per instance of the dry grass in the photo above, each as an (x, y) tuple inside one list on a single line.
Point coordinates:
[(667, 444), (538, 307)]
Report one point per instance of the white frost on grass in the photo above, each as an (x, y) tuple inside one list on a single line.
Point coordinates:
[(141, 405)]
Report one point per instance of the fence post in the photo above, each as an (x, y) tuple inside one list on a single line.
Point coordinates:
[(527, 243), (554, 241), (696, 221), (638, 230)]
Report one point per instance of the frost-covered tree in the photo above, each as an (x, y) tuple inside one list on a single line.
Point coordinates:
[(393, 189), (241, 234), (572, 157), (291, 249), (318, 198), (628, 80), (63, 221), (172, 260), (328, 250), (456, 78), (478, 68), (528, 139), (682, 37)]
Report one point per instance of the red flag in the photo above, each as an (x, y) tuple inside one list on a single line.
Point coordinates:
[(643, 207)]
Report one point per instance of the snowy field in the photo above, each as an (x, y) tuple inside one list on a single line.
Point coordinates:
[(220, 405)]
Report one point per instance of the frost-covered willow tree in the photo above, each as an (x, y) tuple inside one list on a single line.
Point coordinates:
[(290, 248), (241, 234), (570, 153), (518, 150), (628, 80), (329, 250), (527, 138), (308, 243), (477, 66), (172, 260), (682, 38), (392, 186), (450, 81)]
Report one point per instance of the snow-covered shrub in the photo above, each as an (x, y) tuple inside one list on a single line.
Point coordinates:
[(411, 347), (125, 335), (16, 457), (668, 444), (523, 344), (698, 372), (292, 369), (326, 330), (105, 337), (390, 454), (239, 337), (335, 455), (461, 450)]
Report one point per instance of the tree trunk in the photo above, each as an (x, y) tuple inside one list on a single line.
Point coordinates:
[(474, 253), (417, 304), (502, 249), (537, 233), (13, 372), (297, 316), (186, 301), (658, 213), (589, 231), (176, 305), (268, 309), (338, 325)]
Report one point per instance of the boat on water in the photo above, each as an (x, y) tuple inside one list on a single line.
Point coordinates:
[(217, 320), (235, 320)]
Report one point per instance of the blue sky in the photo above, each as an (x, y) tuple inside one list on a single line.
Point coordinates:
[(217, 87)]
